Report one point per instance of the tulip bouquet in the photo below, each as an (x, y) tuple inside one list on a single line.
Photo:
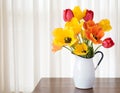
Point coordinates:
[(80, 33)]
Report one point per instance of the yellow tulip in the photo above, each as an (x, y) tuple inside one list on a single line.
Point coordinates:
[(63, 37), (80, 49), (105, 24), (78, 13), (74, 25)]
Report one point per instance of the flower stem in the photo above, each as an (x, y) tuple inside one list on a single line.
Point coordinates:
[(67, 48), (79, 37), (98, 47)]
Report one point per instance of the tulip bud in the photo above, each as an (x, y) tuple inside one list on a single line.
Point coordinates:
[(107, 43), (89, 15), (67, 15)]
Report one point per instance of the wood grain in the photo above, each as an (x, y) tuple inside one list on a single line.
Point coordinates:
[(66, 85)]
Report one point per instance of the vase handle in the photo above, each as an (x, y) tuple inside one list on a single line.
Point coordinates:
[(102, 55)]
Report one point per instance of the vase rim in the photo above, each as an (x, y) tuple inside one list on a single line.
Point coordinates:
[(83, 57)]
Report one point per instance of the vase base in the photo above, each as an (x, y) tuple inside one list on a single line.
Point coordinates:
[(84, 85), (84, 88)]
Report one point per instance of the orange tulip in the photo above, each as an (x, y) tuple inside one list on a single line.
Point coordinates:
[(56, 48), (88, 24), (95, 33)]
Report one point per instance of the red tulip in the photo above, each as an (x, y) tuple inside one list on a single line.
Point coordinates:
[(67, 15), (107, 43), (89, 15)]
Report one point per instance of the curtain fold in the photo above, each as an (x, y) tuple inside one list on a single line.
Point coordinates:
[(26, 38)]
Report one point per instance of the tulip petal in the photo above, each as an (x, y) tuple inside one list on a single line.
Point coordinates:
[(107, 43)]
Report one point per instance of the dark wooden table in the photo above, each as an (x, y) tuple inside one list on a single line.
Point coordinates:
[(66, 85)]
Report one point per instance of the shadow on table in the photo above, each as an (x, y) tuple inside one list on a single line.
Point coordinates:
[(76, 90)]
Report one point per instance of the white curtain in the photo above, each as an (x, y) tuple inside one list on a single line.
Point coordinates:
[(25, 41)]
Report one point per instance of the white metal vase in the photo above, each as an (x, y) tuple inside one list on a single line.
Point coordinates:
[(84, 72)]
